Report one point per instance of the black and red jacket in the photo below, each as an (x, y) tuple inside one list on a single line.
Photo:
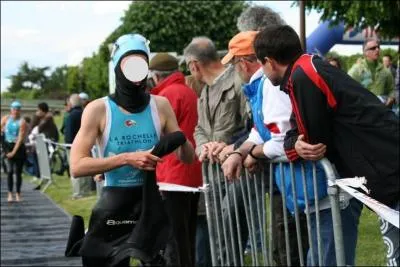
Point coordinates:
[(361, 134)]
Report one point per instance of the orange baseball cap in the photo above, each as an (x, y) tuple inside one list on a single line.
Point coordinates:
[(240, 45)]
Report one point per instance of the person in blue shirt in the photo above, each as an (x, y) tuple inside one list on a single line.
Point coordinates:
[(14, 128), (126, 125)]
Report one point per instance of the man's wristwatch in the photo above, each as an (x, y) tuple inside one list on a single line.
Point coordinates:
[(251, 153), (234, 152)]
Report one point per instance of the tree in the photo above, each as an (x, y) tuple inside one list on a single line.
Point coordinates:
[(170, 26), (55, 87), (384, 15), (74, 83), (28, 78)]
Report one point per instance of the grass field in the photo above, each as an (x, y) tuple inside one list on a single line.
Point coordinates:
[(370, 248)]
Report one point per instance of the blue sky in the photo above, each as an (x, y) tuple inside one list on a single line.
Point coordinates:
[(53, 33)]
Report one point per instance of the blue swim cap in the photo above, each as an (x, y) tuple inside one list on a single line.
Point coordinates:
[(129, 42), (16, 105)]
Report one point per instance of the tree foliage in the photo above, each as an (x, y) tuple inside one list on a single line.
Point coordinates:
[(384, 15), (170, 26), (28, 78)]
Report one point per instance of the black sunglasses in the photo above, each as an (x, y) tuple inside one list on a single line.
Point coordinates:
[(373, 48)]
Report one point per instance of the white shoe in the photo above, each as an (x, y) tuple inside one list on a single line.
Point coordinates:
[(34, 179)]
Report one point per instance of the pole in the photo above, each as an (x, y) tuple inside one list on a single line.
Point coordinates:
[(303, 24)]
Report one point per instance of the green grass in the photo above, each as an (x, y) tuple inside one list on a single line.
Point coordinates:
[(370, 248)]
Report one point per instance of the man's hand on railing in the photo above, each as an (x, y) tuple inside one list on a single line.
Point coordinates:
[(211, 151), (223, 155), (308, 151), (250, 164), (232, 166)]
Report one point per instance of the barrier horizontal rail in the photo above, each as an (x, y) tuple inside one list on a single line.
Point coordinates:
[(246, 210)]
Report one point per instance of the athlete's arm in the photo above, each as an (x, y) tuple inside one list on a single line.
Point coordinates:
[(81, 161), (185, 152)]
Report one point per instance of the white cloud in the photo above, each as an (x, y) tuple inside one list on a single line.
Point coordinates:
[(75, 57), (109, 7)]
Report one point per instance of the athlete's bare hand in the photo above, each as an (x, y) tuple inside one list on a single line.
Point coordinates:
[(143, 160)]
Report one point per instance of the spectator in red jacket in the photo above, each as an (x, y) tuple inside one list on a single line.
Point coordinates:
[(181, 206)]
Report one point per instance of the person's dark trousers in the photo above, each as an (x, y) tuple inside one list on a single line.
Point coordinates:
[(15, 166), (35, 162), (181, 208), (203, 252)]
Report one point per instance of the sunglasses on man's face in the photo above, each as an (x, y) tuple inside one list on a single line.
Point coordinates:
[(373, 48)]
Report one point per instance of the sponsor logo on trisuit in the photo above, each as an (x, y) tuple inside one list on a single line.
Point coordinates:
[(115, 222), (129, 123)]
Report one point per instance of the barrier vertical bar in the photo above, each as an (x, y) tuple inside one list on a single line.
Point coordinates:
[(206, 181), (244, 199), (252, 219), (258, 206), (319, 245), (296, 216), (285, 217), (271, 234), (239, 230), (224, 245), (307, 210), (232, 243), (336, 217), (264, 215)]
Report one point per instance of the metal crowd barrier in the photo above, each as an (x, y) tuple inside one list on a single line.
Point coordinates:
[(44, 152), (43, 161), (246, 205)]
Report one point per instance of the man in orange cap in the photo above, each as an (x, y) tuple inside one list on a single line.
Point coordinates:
[(265, 140)]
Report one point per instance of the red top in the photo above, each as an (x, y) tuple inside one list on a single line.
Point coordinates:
[(183, 100)]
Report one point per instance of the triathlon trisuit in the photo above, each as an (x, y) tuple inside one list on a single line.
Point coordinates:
[(12, 129), (128, 133)]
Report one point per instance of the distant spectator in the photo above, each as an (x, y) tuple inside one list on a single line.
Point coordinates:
[(84, 99), (372, 74), (73, 120), (387, 63), (67, 108), (31, 155), (334, 61), (81, 186), (46, 125)]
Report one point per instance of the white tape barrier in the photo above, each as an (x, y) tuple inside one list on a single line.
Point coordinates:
[(57, 144), (386, 213), (176, 187)]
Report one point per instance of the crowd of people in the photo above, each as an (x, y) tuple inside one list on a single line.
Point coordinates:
[(265, 99), (18, 140)]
